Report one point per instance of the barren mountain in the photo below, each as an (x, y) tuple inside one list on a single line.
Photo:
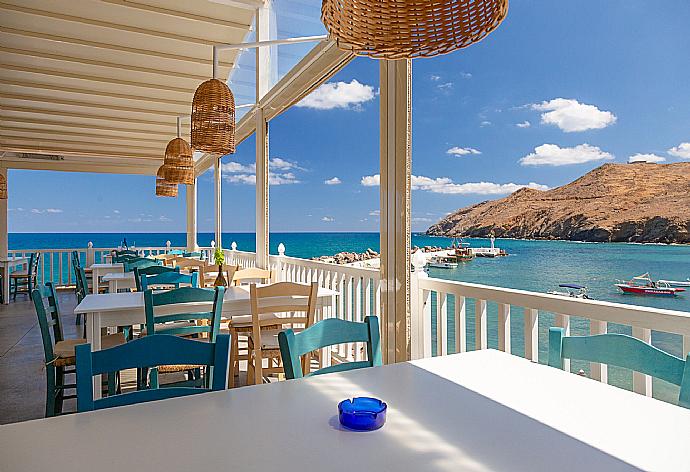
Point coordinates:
[(615, 202)]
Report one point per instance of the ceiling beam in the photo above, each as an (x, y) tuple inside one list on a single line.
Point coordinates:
[(73, 146), (93, 78), (29, 136), (84, 164), (63, 88), (177, 14), (75, 152), (79, 103), (111, 65), (85, 133), (113, 47), (93, 126), (90, 116), (111, 25)]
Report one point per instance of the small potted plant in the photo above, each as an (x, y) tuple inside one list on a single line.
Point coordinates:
[(219, 257)]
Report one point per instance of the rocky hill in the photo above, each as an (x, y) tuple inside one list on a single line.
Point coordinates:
[(615, 202)]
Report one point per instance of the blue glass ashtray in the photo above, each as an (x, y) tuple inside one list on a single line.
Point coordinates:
[(362, 413)]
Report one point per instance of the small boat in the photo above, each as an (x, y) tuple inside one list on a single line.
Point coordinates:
[(438, 262), (464, 254), (676, 283), (576, 291), (644, 285)]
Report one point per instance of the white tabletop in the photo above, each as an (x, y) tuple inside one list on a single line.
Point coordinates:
[(13, 260), (113, 265), (118, 276), (477, 411)]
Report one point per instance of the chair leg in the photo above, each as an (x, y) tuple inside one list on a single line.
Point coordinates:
[(50, 391), (258, 367), (112, 384), (60, 393), (234, 363)]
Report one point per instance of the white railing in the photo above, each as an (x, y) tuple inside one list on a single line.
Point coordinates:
[(56, 264), (439, 305)]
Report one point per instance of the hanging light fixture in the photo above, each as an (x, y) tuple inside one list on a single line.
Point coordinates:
[(213, 116), (163, 187), (3, 187), (407, 29), (178, 166)]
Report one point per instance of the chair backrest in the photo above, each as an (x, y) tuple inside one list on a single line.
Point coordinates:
[(82, 285), (622, 351), (169, 278), (47, 320), (76, 261), (187, 263), (295, 302), (151, 270), (149, 351), (195, 254), (33, 264), (184, 296), (330, 332), (140, 263), (209, 272), (252, 274)]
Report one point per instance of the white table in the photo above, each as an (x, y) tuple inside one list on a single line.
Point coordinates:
[(118, 280), (5, 265), (478, 411), (127, 309), (100, 270)]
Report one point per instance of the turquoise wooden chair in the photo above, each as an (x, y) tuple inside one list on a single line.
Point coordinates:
[(182, 323), (169, 278), (622, 351), (325, 333), (151, 270), (149, 352), (139, 263), (25, 281)]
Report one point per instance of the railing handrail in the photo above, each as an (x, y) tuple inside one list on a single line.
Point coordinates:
[(658, 319), (354, 271)]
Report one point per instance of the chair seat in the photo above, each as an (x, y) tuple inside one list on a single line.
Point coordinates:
[(20, 274), (169, 369), (269, 338), (64, 350)]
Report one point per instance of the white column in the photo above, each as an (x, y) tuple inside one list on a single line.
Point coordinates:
[(4, 242), (217, 199), (191, 217), (263, 84), (396, 137)]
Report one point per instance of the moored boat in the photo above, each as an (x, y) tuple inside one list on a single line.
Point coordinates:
[(576, 291), (644, 285), (676, 283), (439, 262)]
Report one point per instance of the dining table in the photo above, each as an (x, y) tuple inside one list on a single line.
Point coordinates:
[(112, 310), (119, 280), (7, 263), (477, 411), (101, 269)]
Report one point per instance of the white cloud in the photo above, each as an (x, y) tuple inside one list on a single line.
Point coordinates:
[(435, 78), (446, 86), (458, 151), (421, 219), (327, 219), (375, 213), (164, 219), (36, 210), (333, 181), (371, 180), (117, 212), (646, 158), (339, 95), (238, 173), (570, 115), (465, 75), (553, 155), (53, 210), (485, 123), (524, 124), (39, 211), (682, 151), (446, 185)]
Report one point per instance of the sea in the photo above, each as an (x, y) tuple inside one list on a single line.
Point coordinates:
[(531, 265)]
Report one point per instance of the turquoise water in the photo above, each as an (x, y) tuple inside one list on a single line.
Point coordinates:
[(532, 265)]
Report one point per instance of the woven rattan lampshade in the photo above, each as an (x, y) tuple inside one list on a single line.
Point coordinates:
[(163, 187), (406, 29), (213, 118), (178, 166), (3, 187)]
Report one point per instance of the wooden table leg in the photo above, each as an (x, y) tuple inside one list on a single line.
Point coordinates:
[(93, 336)]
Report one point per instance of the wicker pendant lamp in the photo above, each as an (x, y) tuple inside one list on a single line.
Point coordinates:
[(178, 166), (406, 29), (213, 118), (163, 187), (3, 187)]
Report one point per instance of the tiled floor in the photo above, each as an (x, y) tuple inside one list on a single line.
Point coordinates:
[(22, 375)]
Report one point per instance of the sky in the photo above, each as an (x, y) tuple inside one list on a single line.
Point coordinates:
[(557, 90)]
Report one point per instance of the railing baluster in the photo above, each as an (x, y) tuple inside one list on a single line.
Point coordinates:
[(441, 324), (426, 322), (59, 282), (599, 371), (642, 383), (563, 321), (50, 268), (532, 334), (342, 306), (460, 324), (504, 327), (686, 346), (357, 313), (481, 334)]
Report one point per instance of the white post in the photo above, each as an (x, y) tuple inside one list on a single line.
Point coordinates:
[(90, 254), (191, 217), (395, 144), (280, 267), (217, 200), (263, 85), (233, 248), (417, 307)]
